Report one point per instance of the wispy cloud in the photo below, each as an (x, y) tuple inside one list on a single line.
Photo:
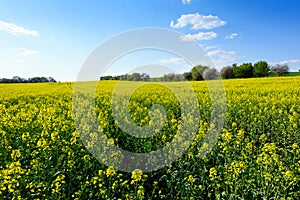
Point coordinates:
[(222, 54), (293, 61), (232, 36), (174, 60), (186, 1), (27, 52), (222, 58), (198, 21), (211, 47), (199, 36), (16, 30)]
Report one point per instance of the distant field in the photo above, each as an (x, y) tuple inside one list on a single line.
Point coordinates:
[(256, 157), (288, 74), (293, 74)]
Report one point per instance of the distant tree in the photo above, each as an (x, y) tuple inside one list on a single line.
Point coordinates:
[(210, 74), (169, 77), (261, 69), (187, 76), (243, 71), (135, 77), (172, 77), (227, 72), (50, 79), (116, 77), (196, 76), (106, 77), (17, 79), (236, 71), (124, 77), (145, 77), (129, 77), (280, 69), (35, 80), (6, 80), (178, 77), (165, 77), (43, 79), (197, 72)]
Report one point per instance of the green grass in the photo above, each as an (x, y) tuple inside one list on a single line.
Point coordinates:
[(293, 74)]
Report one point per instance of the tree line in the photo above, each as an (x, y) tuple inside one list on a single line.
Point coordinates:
[(201, 72), (17, 79), (259, 69), (128, 77), (245, 70), (197, 73)]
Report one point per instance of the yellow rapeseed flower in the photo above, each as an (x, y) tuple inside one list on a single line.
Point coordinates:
[(288, 175), (191, 179), (140, 191), (212, 173), (227, 136), (295, 146), (15, 154), (136, 175), (234, 124), (110, 171)]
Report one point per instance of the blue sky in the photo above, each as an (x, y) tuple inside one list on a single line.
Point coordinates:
[(54, 38)]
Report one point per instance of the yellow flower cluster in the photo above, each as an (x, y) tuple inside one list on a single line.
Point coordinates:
[(213, 173), (110, 171), (136, 175)]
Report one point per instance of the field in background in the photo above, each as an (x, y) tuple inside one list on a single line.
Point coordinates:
[(293, 74), (257, 155)]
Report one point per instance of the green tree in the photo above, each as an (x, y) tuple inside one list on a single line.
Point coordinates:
[(261, 69), (243, 71), (169, 77), (187, 76), (197, 72)]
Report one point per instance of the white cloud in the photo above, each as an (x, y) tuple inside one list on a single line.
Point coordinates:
[(186, 1), (16, 30), (222, 58), (232, 36), (289, 62), (198, 21), (294, 61), (175, 60), (27, 52), (211, 47), (222, 54), (199, 36)]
